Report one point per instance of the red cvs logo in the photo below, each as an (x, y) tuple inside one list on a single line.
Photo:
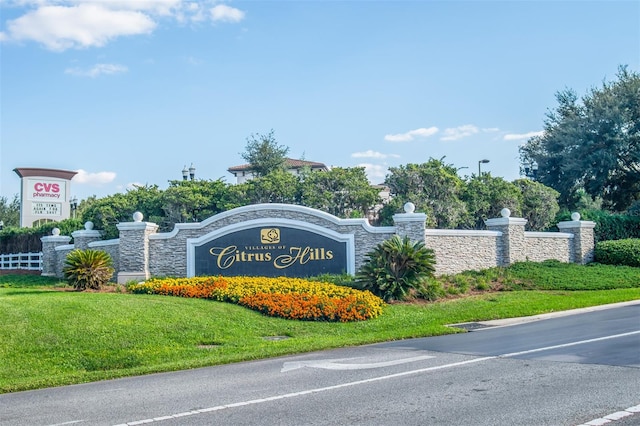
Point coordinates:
[(47, 187)]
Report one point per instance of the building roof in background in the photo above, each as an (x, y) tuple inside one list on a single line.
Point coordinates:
[(290, 163)]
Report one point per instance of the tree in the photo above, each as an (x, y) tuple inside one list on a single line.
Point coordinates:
[(193, 201), (592, 145), (433, 187), (539, 204), (107, 212), (485, 196), (279, 186), (264, 154), (341, 191), (10, 212)]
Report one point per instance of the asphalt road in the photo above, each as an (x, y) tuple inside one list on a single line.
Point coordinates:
[(570, 370)]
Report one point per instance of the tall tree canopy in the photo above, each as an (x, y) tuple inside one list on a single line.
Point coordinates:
[(434, 187), (264, 154), (592, 145), (341, 191), (485, 196)]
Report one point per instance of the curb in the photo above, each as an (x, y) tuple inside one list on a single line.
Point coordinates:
[(483, 325)]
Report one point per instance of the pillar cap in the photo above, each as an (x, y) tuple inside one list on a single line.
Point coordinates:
[(506, 221)]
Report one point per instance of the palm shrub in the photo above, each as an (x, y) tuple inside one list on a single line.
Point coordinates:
[(395, 267), (88, 269)]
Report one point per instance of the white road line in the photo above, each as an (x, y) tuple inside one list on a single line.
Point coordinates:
[(566, 345), (307, 392), (374, 379), (613, 416)]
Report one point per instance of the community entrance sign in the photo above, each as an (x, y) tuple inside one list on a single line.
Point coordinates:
[(272, 248)]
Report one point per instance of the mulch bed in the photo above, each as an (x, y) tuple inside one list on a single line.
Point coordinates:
[(18, 272)]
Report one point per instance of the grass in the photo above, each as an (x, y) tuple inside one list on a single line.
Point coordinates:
[(51, 337)]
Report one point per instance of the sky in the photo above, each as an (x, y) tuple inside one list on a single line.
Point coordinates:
[(129, 92)]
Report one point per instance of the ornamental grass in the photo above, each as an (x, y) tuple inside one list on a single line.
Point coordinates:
[(291, 298)]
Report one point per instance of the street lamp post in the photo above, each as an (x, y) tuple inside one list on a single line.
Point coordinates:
[(189, 173), (485, 161)]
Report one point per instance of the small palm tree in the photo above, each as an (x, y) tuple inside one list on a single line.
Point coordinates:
[(88, 269), (396, 266)]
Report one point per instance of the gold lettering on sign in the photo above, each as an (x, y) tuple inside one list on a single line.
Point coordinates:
[(301, 255), (227, 256)]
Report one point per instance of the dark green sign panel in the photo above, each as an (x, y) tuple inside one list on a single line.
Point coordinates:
[(271, 252)]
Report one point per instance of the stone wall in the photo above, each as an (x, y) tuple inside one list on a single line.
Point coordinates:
[(461, 250), (541, 246), (141, 252), (169, 250)]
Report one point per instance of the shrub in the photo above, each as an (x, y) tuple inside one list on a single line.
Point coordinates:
[(88, 269), (430, 289), (609, 226), (619, 252), (395, 267), (27, 240)]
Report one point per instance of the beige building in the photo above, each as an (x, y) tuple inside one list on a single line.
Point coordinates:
[(244, 172)]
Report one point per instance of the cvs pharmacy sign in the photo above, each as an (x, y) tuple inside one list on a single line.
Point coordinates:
[(41, 189)]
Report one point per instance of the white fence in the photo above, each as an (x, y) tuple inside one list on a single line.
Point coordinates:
[(28, 261)]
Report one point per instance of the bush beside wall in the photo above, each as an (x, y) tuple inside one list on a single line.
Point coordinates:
[(619, 252)]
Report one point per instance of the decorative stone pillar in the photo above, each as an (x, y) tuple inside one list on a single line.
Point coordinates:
[(410, 224), (583, 238), (82, 238), (49, 254), (512, 246), (134, 249)]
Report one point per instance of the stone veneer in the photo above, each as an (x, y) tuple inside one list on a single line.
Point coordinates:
[(141, 252)]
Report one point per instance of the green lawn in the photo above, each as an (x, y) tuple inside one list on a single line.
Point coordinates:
[(50, 337)]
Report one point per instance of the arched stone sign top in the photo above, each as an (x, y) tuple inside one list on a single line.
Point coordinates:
[(271, 247)]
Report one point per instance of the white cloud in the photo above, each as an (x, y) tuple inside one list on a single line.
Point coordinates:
[(517, 137), (95, 179), (155, 7), (459, 132), (74, 24), (97, 70), (86, 25), (412, 134), (375, 172), (373, 154), (224, 13)]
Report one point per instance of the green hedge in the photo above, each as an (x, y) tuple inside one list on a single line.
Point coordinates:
[(27, 240), (609, 226), (619, 252)]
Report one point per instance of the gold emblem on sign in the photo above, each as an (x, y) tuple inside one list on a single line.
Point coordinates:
[(270, 236)]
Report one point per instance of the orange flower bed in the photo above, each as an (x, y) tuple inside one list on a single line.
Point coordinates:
[(291, 298)]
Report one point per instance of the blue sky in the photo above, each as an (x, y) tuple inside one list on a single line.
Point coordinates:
[(129, 92)]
